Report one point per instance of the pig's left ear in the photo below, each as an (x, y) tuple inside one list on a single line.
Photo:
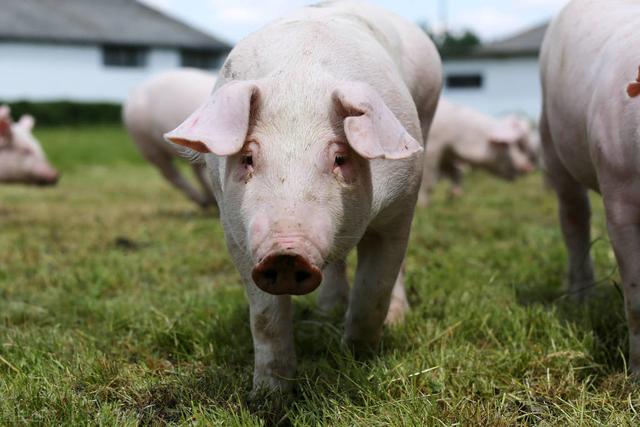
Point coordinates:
[(221, 125), (27, 122), (372, 130)]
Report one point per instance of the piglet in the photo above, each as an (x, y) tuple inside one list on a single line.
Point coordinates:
[(22, 159)]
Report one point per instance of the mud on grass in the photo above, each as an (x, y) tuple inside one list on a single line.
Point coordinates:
[(119, 305)]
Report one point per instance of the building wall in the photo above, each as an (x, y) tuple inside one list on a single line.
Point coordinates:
[(40, 72), (509, 85)]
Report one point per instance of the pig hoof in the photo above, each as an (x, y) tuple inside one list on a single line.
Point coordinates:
[(581, 292), (269, 405), (361, 348), (397, 311)]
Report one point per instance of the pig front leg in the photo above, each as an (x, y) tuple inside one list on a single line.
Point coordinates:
[(334, 290), (623, 221), (380, 258), (271, 320), (272, 331)]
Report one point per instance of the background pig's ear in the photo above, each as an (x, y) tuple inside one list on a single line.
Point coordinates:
[(27, 122), (372, 130), (505, 134), (220, 126), (5, 121)]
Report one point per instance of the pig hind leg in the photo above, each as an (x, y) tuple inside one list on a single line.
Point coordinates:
[(399, 306), (334, 289), (575, 218), (623, 220), (164, 162), (200, 172)]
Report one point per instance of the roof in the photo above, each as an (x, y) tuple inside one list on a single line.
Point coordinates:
[(99, 21), (525, 43)]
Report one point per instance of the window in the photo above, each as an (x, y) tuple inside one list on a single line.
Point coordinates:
[(464, 81), (124, 56), (205, 59)]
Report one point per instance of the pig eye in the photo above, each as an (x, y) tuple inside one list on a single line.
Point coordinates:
[(340, 160)]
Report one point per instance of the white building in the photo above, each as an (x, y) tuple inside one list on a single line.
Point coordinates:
[(92, 50), (500, 77)]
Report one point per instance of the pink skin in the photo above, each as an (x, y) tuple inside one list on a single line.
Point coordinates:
[(461, 135), (590, 129), (158, 105), (22, 160), (313, 138)]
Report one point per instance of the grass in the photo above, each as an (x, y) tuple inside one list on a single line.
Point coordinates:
[(119, 305)]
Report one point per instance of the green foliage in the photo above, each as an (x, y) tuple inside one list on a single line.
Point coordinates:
[(120, 306), (452, 44), (67, 113)]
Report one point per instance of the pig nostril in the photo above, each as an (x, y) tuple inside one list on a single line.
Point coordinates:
[(301, 276), (271, 275)]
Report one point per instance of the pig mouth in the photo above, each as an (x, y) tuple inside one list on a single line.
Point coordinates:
[(286, 273)]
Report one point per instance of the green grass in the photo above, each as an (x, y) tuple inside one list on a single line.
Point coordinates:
[(119, 305)]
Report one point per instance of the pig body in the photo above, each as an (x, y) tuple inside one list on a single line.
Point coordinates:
[(314, 143), (463, 136), (22, 160), (590, 129), (158, 105)]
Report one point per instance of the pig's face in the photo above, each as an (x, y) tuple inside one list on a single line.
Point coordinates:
[(22, 160), (297, 187), (509, 151)]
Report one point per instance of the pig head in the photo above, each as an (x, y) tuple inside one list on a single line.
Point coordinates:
[(296, 184), (22, 160), (509, 146)]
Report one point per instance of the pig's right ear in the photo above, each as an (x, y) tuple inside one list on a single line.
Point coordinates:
[(221, 125)]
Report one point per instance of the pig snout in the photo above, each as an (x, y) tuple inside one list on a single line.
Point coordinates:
[(286, 273), (47, 177)]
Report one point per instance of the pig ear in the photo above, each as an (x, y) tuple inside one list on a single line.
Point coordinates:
[(505, 134), (5, 121), (221, 125), (372, 130), (27, 122)]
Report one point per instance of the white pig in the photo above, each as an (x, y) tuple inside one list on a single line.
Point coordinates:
[(590, 128), (314, 143), (22, 159), (157, 106), (463, 136)]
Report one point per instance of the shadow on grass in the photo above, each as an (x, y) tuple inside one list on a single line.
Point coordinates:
[(601, 315), (224, 380)]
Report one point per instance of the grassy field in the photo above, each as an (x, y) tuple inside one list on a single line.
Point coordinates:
[(119, 305)]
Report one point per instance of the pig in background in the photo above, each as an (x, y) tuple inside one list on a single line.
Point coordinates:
[(159, 105), (590, 128), (314, 144), (506, 147), (22, 159)]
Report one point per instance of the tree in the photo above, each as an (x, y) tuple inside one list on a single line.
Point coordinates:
[(451, 44)]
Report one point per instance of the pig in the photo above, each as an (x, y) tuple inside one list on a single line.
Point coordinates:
[(22, 159), (590, 129), (314, 139), (158, 105), (461, 135)]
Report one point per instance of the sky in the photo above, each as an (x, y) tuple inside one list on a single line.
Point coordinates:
[(231, 20)]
